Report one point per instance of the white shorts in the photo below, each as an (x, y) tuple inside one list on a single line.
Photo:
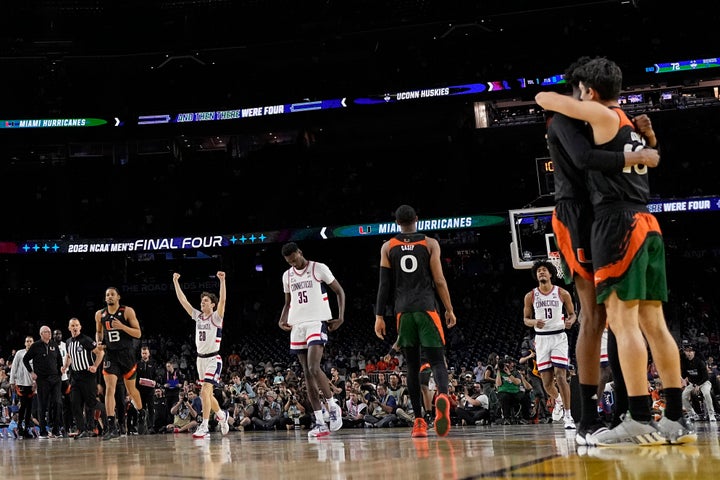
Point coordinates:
[(209, 369), (551, 351), (305, 334)]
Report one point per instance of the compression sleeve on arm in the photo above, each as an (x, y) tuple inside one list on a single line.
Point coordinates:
[(383, 294), (573, 137)]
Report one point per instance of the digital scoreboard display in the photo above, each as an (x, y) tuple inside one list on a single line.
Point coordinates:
[(684, 65), (163, 244), (55, 123)]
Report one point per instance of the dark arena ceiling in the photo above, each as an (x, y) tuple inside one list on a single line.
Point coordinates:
[(127, 59), (59, 56)]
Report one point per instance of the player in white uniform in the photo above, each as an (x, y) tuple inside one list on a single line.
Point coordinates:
[(308, 317), (543, 311), (208, 333)]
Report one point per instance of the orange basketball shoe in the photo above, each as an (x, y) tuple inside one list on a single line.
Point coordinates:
[(419, 428), (442, 415)]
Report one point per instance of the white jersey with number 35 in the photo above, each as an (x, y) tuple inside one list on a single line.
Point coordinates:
[(308, 293)]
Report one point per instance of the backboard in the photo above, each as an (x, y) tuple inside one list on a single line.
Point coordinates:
[(532, 235)]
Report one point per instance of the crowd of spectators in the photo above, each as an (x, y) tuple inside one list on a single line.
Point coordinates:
[(76, 198), (263, 382)]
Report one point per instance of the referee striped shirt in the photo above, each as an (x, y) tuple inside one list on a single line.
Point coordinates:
[(80, 350)]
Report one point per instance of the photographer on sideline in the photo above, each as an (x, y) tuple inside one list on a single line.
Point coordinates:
[(538, 396), (510, 384), (184, 416), (473, 408), (295, 414)]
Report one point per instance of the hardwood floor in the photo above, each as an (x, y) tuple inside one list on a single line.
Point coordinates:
[(519, 452)]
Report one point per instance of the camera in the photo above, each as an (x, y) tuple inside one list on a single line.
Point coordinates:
[(501, 365)]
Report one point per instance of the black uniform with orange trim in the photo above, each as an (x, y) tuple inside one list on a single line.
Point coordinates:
[(120, 358), (414, 291), (572, 153), (627, 243), (425, 373), (410, 260)]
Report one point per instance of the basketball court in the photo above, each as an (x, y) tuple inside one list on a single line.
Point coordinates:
[(487, 452)]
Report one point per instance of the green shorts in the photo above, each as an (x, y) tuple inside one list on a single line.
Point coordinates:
[(420, 329)]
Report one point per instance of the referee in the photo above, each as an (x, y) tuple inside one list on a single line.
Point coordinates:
[(84, 357)]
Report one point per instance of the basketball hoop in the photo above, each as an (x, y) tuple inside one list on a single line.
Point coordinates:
[(554, 258)]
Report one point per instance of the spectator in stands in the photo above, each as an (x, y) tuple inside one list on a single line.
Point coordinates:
[(291, 376), (22, 383), (239, 386), (279, 378), (337, 383), (381, 365), (488, 382), (370, 366), (355, 411), (172, 380), (249, 372), (392, 363), (5, 379), (404, 410), (233, 360), (479, 371), (491, 368), (361, 362)]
